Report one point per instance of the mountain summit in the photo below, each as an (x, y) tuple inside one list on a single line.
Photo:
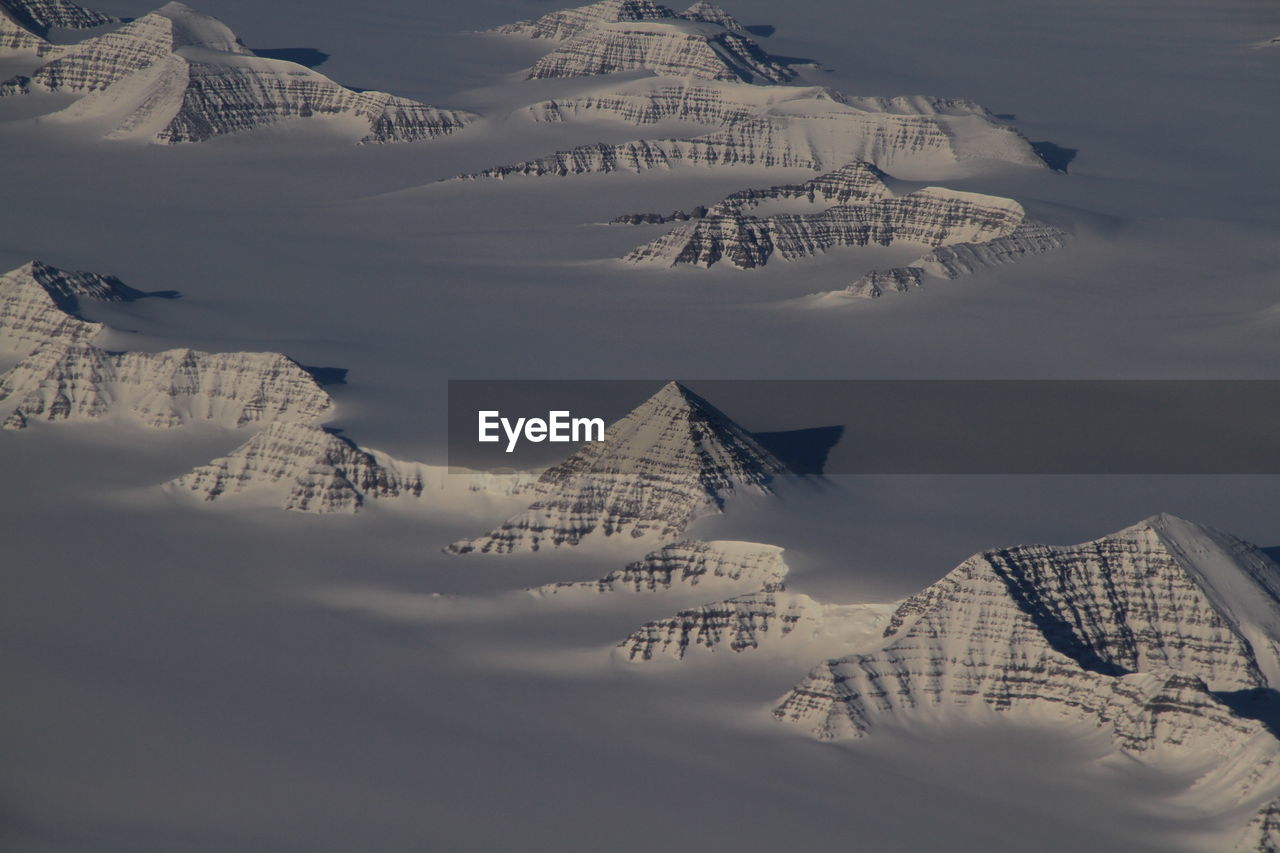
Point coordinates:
[(671, 460)]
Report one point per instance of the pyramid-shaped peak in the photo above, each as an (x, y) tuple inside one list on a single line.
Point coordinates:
[(710, 13)]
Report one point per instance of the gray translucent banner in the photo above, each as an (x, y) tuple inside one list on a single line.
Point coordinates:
[(922, 426)]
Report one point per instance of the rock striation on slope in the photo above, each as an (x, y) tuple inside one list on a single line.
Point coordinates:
[(715, 566), (39, 303), (39, 16), (66, 380), (673, 47), (17, 40), (308, 468), (1152, 633), (673, 459), (812, 128), (1262, 835), (851, 206), (176, 76), (98, 62), (955, 260), (569, 23), (195, 95)]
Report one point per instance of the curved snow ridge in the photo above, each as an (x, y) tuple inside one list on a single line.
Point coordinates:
[(717, 565), (308, 468), (38, 303), (569, 23), (956, 260), (42, 15), (670, 461), (849, 207), (64, 380), (98, 62), (676, 48), (195, 95), (1119, 632)]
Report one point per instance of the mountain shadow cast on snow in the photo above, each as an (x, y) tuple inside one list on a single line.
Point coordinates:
[(761, 30), (1055, 156), (1259, 703), (327, 375), (1273, 553), (308, 56), (803, 451)]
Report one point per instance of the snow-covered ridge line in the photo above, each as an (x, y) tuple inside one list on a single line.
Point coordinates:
[(849, 207), (307, 468), (780, 127), (39, 303), (176, 76), (1151, 633), (569, 23), (17, 40), (717, 565), (671, 460), (956, 260), (680, 49), (39, 16)]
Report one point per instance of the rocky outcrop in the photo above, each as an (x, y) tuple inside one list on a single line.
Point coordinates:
[(1150, 633), (961, 259), (569, 23), (63, 380), (689, 566), (710, 13), (850, 207), (97, 63), (677, 48), (308, 468), (40, 303), (17, 40), (777, 126), (672, 460), (38, 16), (194, 96), (696, 212), (178, 76)]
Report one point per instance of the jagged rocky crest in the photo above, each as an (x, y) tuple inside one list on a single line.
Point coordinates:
[(776, 126), (685, 566), (570, 23), (308, 468), (1153, 633), (77, 381), (955, 260), (176, 76), (39, 16), (852, 207), (672, 460), (16, 40), (39, 303)]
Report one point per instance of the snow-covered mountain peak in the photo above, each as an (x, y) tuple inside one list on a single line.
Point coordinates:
[(39, 16), (704, 10), (671, 460), (39, 304), (567, 23)]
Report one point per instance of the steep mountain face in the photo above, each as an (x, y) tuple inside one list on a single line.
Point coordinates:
[(41, 15), (307, 468), (96, 63), (676, 47), (710, 13), (736, 624), (194, 95), (64, 380), (955, 260), (780, 127), (711, 567), (673, 459), (176, 75), (852, 207), (16, 40), (1154, 633), (38, 303)]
